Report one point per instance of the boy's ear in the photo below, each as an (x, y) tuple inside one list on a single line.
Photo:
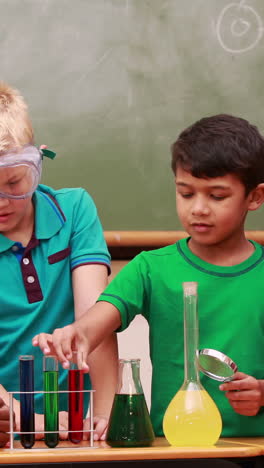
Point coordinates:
[(256, 197)]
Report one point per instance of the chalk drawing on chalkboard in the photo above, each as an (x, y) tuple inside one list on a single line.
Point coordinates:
[(239, 28)]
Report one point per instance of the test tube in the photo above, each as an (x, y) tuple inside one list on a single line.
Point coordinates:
[(75, 400), (27, 416), (51, 401)]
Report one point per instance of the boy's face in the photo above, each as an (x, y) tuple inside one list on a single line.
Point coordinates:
[(211, 210), (15, 216), (14, 213), (20, 170)]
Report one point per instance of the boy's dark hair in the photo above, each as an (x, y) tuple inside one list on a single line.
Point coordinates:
[(218, 145)]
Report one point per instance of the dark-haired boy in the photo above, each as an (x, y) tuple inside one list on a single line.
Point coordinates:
[(219, 173)]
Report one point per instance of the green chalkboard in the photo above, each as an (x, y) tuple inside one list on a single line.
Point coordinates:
[(111, 83)]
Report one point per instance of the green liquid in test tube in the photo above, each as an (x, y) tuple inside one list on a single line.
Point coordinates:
[(51, 404)]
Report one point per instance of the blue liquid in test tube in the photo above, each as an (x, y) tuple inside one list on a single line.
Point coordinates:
[(27, 416)]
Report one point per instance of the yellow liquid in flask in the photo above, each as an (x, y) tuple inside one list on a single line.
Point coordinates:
[(192, 419)]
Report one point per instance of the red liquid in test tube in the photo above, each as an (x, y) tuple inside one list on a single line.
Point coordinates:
[(75, 399)]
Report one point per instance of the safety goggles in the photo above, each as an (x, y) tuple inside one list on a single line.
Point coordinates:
[(20, 171)]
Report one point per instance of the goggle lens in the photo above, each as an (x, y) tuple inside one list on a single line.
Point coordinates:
[(18, 181)]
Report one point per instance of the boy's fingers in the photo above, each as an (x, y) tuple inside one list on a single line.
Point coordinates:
[(66, 347), (67, 339), (239, 382), (82, 355), (243, 396), (43, 340), (62, 340), (239, 376), (35, 340), (246, 404), (4, 425), (81, 362), (100, 427), (4, 410), (63, 425), (4, 438), (61, 356), (63, 435), (246, 408), (61, 345)]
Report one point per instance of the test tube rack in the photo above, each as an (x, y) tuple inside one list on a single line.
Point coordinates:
[(13, 432)]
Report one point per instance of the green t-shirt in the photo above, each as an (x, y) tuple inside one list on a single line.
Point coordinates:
[(231, 320)]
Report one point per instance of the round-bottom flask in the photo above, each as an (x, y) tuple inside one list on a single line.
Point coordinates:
[(129, 423), (192, 417)]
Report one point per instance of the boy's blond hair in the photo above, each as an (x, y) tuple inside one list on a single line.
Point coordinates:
[(15, 125)]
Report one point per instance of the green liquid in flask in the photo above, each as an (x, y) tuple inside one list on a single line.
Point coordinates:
[(130, 424), (192, 419), (51, 407)]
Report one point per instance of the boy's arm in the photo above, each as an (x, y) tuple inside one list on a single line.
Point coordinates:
[(88, 283), (245, 394)]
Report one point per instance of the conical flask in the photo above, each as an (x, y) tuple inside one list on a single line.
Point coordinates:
[(129, 423), (192, 418)]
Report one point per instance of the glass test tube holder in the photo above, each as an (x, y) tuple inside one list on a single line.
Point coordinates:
[(12, 432)]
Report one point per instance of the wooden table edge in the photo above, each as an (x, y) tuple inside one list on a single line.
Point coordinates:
[(225, 448)]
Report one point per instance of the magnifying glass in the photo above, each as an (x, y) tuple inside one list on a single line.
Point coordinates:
[(216, 365)]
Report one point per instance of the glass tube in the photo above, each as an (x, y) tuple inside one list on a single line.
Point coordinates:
[(75, 400), (191, 334), (51, 406), (27, 416)]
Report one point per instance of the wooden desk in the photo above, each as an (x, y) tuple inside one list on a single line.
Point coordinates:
[(256, 441), (159, 454)]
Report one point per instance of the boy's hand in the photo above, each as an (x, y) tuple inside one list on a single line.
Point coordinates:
[(4, 423), (100, 427), (244, 393), (61, 344)]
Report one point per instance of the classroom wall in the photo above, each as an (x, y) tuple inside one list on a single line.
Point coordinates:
[(111, 83)]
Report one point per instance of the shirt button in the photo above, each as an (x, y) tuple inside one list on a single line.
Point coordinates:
[(26, 261), (30, 279), (14, 248)]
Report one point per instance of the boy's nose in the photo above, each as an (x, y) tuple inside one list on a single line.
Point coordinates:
[(200, 207), (4, 201)]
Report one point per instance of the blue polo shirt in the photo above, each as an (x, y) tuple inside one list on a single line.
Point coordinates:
[(36, 289)]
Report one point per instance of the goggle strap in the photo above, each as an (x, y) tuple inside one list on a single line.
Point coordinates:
[(48, 153)]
